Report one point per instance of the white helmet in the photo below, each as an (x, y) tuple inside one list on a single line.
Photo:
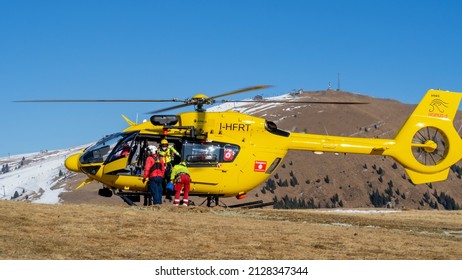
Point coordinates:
[(152, 148)]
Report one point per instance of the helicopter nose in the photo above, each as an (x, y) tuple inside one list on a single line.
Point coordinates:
[(72, 163)]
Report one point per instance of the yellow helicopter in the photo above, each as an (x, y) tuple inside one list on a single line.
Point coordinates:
[(230, 153)]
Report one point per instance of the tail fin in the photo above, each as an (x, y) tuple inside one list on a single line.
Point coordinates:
[(428, 144)]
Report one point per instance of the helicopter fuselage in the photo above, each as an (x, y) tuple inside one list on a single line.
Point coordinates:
[(227, 153), (230, 153)]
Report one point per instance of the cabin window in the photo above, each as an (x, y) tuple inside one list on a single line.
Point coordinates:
[(198, 153), (273, 165)]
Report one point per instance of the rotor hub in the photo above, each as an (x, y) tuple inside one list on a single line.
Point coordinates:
[(430, 146)]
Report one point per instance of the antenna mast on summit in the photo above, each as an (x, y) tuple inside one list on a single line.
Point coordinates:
[(338, 81)]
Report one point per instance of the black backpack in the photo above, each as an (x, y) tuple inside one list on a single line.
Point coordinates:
[(155, 166)]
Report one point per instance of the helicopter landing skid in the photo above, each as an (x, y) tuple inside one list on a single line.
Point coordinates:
[(252, 204), (131, 198), (246, 205), (128, 200), (213, 198)]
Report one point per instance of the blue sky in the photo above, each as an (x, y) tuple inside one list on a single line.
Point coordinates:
[(175, 49)]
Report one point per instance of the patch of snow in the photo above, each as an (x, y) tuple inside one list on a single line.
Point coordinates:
[(342, 224), (37, 179), (249, 108)]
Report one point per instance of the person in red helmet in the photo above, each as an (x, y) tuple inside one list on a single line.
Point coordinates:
[(182, 180)]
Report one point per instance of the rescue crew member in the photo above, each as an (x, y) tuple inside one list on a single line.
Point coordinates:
[(181, 178), (125, 150), (167, 152), (154, 169)]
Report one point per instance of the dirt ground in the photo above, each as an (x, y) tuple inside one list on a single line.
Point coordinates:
[(94, 231)]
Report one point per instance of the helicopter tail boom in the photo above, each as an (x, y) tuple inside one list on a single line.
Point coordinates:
[(338, 144), (426, 146)]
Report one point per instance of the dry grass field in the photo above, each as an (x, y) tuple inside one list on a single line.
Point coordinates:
[(81, 232)]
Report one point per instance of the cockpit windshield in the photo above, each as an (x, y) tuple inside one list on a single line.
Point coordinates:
[(99, 152)]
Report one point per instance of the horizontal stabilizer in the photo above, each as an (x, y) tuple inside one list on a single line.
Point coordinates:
[(422, 178)]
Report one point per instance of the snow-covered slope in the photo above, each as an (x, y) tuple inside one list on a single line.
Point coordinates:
[(37, 177), (250, 107)]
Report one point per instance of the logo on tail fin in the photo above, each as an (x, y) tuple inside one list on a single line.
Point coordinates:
[(440, 106)]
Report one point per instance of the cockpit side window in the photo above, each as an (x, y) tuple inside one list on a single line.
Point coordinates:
[(99, 152), (123, 148)]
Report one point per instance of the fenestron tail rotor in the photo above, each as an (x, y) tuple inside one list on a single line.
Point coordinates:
[(429, 146)]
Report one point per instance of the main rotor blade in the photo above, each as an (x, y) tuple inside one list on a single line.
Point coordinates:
[(99, 100), (294, 102), (169, 108), (239, 91)]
